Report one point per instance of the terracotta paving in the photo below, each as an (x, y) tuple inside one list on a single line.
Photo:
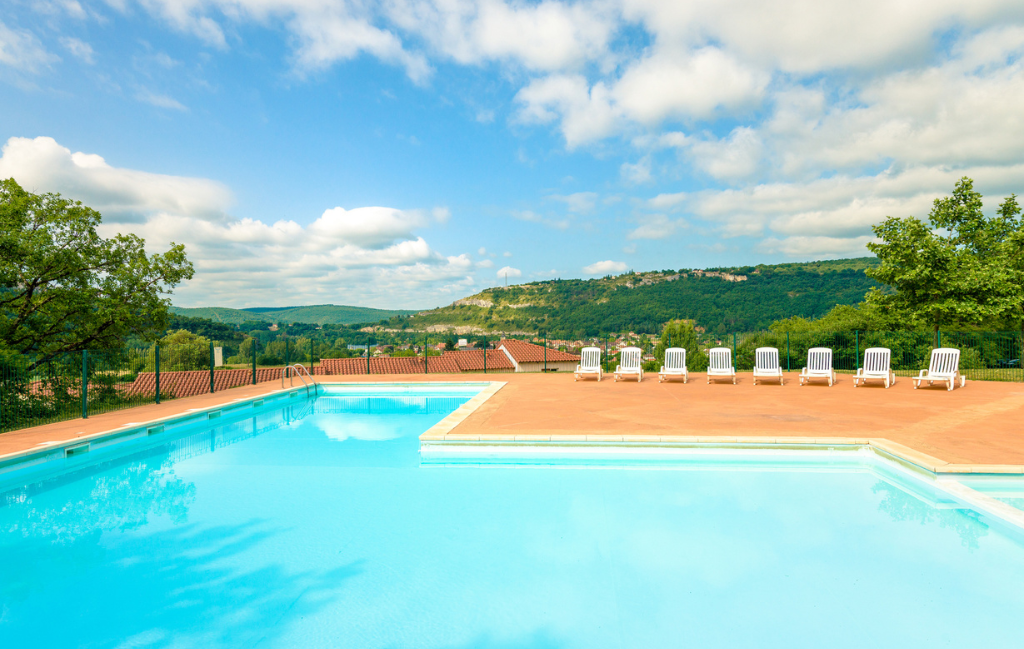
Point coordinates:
[(978, 425)]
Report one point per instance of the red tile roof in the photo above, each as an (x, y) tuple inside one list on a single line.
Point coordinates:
[(191, 383), (473, 360), (525, 352), (387, 365)]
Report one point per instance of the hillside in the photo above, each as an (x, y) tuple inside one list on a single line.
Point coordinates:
[(724, 299), (319, 314)]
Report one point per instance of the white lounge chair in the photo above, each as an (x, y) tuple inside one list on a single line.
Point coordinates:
[(720, 364), (766, 364), (590, 363), (819, 366), (629, 364), (876, 367), (675, 364), (943, 366)]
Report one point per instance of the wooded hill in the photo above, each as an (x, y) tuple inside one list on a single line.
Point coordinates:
[(720, 300), (318, 314)]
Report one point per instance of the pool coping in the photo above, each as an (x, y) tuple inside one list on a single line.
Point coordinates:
[(131, 430), (880, 445)]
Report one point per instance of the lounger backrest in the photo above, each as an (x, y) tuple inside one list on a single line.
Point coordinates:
[(945, 361), (876, 360), (629, 358), (590, 358), (819, 359), (720, 358), (766, 358), (675, 358)]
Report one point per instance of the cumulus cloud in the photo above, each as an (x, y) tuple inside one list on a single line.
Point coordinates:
[(835, 214), (366, 255), (121, 195), (544, 36), (508, 271), (605, 268)]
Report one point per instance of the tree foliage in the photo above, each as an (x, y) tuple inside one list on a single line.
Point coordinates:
[(65, 288), (951, 271)]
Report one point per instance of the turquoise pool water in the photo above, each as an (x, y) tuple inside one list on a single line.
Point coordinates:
[(316, 524)]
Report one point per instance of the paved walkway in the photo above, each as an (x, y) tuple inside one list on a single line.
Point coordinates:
[(978, 425)]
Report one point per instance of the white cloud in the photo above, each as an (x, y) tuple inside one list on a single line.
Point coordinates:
[(736, 157), (22, 51), (533, 217), (43, 165), (508, 271), (441, 214), (655, 226), (366, 255), (486, 263), (79, 49), (506, 254), (636, 173), (586, 113), (578, 203), (695, 84), (158, 100), (481, 251), (605, 268), (544, 36)]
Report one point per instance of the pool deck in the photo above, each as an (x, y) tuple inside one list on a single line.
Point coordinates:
[(977, 429)]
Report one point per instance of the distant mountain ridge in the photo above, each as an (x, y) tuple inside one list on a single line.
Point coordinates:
[(316, 314), (745, 298), (742, 298)]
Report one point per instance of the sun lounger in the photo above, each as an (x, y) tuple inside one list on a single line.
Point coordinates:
[(876, 367), (819, 366), (590, 363), (944, 366), (720, 364), (629, 364), (675, 364), (766, 364)]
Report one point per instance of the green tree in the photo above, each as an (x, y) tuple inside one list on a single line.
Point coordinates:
[(948, 272), (63, 288), (681, 333), (180, 350)]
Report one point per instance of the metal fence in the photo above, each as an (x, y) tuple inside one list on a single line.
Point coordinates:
[(34, 392)]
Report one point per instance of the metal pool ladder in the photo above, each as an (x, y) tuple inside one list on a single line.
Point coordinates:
[(298, 369)]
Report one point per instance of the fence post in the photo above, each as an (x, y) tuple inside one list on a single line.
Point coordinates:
[(367, 355), (253, 360), (856, 350), (311, 354), (85, 384), (211, 367), (157, 372), (938, 341), (545, 351), (287, 351), (787, 351), (485, 354), (426, 356), (734, 348)]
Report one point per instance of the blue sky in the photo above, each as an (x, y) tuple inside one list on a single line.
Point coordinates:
[(403, 153)]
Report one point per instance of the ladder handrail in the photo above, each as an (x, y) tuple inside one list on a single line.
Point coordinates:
[(298, 369)]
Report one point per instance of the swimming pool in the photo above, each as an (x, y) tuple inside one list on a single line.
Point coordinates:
[(316, 523)]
